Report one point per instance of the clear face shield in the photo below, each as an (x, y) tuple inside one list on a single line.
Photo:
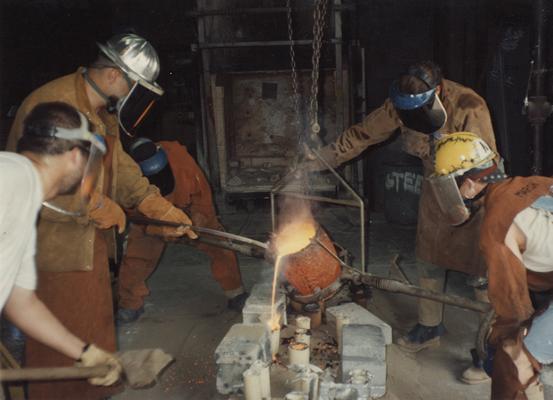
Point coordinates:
[(133, 108), (79, 185), (449, 199), (422, 112)]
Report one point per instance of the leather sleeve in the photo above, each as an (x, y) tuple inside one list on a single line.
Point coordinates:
[(132, 186), (475, 118), (378, 126)]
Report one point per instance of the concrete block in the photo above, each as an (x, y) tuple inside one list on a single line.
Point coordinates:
[(354, 314), (364, 349), (243, 345), (344, 391), (258, 306)]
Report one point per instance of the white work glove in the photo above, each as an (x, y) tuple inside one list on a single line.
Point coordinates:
[(93, 356)]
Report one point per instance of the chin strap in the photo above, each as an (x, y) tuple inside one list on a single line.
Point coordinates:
[(111, 101)]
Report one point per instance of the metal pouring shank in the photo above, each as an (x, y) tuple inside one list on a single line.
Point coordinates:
[(231, 236)]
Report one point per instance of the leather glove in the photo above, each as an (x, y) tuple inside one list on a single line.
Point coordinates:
[(155, 206), (93, 356), (105, 213)]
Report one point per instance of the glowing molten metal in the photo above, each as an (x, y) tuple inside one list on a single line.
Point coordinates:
[(294, 237), (307, 266)]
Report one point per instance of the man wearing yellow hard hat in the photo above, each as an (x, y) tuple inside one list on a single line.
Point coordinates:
[(516, 239)]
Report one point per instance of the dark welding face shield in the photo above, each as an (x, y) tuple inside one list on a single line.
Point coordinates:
[(421, 112), (154, 164), (132, 108), (77, 204), (139, 62)]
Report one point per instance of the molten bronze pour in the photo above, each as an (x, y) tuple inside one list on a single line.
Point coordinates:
[(306, 265)]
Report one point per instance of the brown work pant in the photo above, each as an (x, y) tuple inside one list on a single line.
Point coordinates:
[(82, 301), (143, 254)]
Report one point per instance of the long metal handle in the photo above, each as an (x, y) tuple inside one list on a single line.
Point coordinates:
[(393, 285), (151, 221), (49, 374), (245, 249)]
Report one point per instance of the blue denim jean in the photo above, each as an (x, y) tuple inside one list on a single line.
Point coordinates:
[(539, 340)]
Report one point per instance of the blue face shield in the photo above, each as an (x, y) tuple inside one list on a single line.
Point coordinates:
[(421, 112)]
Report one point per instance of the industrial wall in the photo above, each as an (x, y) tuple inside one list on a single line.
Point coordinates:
[(482, 44)]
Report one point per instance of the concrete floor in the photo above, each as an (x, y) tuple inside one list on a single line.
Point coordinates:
[(186, 314)]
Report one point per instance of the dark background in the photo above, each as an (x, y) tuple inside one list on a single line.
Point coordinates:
[(42, 40)]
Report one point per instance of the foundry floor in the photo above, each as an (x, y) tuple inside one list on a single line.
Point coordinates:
[(186, 314)]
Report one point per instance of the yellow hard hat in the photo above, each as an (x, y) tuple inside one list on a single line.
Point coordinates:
[(460, 152)]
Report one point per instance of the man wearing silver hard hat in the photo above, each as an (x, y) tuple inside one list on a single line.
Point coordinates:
[(139, 65), (74, 247)]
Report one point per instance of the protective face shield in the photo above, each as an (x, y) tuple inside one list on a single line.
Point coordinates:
[(422, 112), (154, 164), (449, 199), (460, 154), (138, 60), (132, 108), (77, 205)]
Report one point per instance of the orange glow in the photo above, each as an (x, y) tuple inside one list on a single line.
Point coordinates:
[(298, 346), (294, 237), (141, 117), (274, 322)]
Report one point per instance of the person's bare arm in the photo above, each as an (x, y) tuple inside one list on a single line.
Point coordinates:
[(515, 240), (30, 315)]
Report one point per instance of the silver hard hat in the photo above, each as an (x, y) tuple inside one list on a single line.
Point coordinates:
[(136, 57)]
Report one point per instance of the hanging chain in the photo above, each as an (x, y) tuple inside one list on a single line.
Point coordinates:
[(319, 13), (295, 88)]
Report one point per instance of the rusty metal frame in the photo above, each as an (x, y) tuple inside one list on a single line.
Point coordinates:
[(209, 154)]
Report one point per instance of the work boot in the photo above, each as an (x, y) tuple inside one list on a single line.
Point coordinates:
[(421, 337), (237, 302), (128, 315), (475, 375)]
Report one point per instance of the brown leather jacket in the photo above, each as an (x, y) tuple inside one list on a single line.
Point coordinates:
[(66, 243), (509, 280), (437, 242)]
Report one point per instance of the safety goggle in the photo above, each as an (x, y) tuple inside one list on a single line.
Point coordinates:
[(76, 205)]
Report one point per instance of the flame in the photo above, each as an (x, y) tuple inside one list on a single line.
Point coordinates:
[(274, 322), (294, 237), (298, 346)]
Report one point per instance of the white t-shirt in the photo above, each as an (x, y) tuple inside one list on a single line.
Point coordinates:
[(21, 196), (537, 226)]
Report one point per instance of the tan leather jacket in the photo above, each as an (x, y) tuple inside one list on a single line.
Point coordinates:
[(66, 243), (437, 242)]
